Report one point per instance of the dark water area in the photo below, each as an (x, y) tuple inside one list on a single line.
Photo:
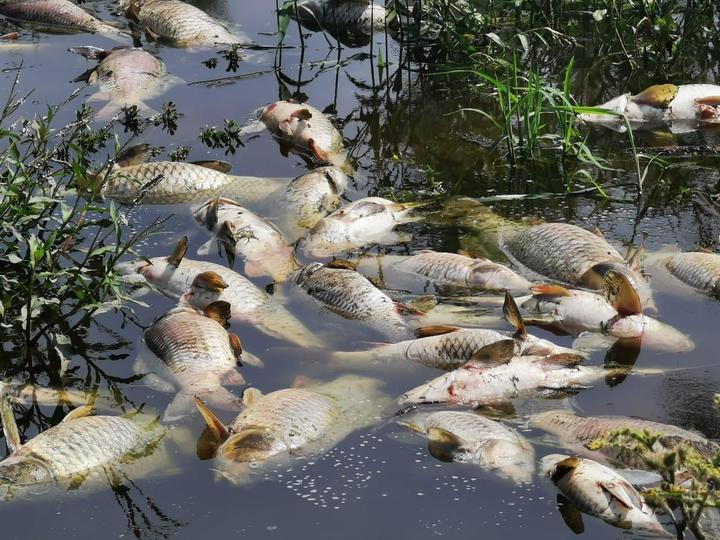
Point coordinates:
[(408, 143)]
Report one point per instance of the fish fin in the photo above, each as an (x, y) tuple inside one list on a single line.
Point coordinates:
[(10, 36), (134, 155), (92, 79), (250, 396), (423, 304), (317, 152), (211, 281), (367, 208), (85, 76), (436, 330), (250, 359), (464, 253), (341, 264), (180, 406), (232, 378), (623, 492), (500, 352), (214, 164), (512, 314), (564, 467), (634, 261), (407, 310), (236, 346), (570, 514), (150, 35), (444, 445), (562, 360), (89, 52), (597, 232), (79, 412), (204, 249), (709, 100), (179, 252), (621, 295), (550, 290), (76, 481), (217, 429), (248, 445), (10, 429), (301, 114), (702, 249), (412, 426), (657, 95), (108, 111), (219, 311)]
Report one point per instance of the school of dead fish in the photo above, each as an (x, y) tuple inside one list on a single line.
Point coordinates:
[(563, 276)]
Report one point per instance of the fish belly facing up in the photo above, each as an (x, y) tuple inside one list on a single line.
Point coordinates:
[(56, 16), (305, 129), (170, 182), (81, 450), (602, 492), (698, 269), (461, 271), (573, 311), (350, 295), (200, 355), (253, 238), (470, 438), (361, 223), (180, 24), (311, 197)]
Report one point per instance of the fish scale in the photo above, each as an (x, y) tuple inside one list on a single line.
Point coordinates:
[(56, 14), (451, 350), (697, 269)]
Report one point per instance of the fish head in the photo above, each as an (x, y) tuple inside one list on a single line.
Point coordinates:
[(514, 460), (653, 333), (534, 346), (132, 267), (207, 214), (557, 421), (328, 237), (617, 105), (199, 297), (439, 390), (548, 464), (306, 272), (497, 276), (25, 472)]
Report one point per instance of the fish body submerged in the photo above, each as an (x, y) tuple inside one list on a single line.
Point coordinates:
[(180, 24), (171, 182), (361, 223), (305, 129), (60, 16), (488, 382), (352, 22), (461, 271), (311, 197), (697, 269), (199, 354), (253, 238), (350, 295), (470, 438), (602, 492)]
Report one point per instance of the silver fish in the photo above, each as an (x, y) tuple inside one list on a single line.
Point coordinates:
[(199, 356), (350, 295), (257, 241), (700, 270), (350, 21), (602, 492), (56, 16), (361, 223), (470, 438), (179, 24), (461, 271), (76, 452)]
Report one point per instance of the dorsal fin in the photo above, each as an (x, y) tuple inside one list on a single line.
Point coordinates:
[(216, 427), (213, 164), (10, 429), (499, 352), (341, 264), (561, 360), (550, 290), (134, 155), (443, 444), (622, 492), (435, 330), (250, 396), (219, 311), (512, 314), (179, 252), (597, 232), (621, 295), (236, 347), (79, 412), (212, 281)]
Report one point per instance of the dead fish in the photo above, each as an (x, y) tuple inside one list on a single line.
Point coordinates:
[(572, 430), (450, 347), (199, 356), (361, 223), (496, 375), (56, 16), (200, 283), (349, 294), (80, 450), (617, 312), (179, 24), (461, 271), (470, 438), (602, 492), (294, 421), (304, 129), (171, 182), (350, 21), (125, 77), (700, 270), (572, 255), (661, 103), (259, 243), (310, 197)]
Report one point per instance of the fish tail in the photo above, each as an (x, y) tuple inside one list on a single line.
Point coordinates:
[(183, 403), (277, 321)]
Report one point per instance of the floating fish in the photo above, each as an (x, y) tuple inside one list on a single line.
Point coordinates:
[(198, 355), (259, 243), (361, 223), (56, 16), (602, 492), (352, 22), (81, 449), (179, 24), (470, 438), (700, 270), (349, 294), (125, 77)]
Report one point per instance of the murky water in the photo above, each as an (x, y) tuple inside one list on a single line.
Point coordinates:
[(379, 482)]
